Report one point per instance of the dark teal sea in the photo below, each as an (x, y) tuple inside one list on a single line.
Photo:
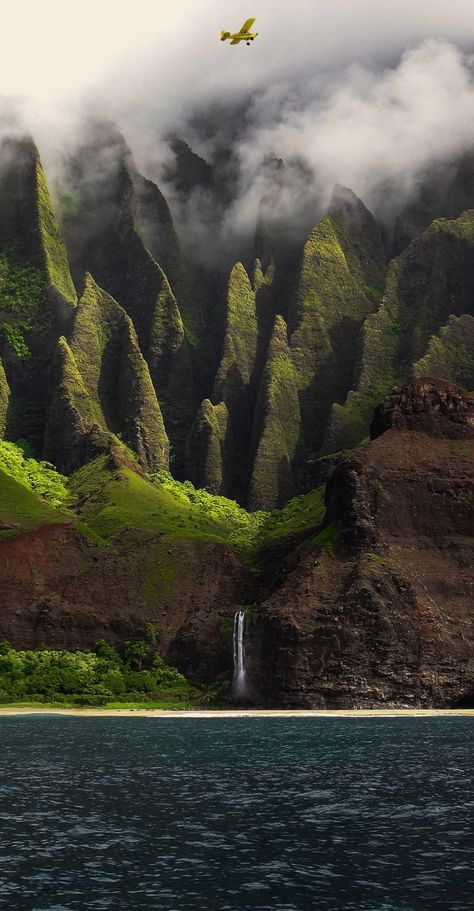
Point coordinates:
[(230, 814)]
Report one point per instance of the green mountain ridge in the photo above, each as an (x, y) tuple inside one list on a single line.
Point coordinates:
[(194, 412), (131, 352)]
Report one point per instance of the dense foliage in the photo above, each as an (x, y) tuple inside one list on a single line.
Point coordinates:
[(40, 477), (21, 289), (248, 532), (237, 525), (87, 677), (13, 335)]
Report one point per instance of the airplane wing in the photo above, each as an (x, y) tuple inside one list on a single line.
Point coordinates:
[(247, 26), (235, 41)]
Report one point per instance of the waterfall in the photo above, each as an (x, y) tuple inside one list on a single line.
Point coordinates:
[(239, 682)]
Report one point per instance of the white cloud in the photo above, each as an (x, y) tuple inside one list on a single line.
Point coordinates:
[(166, 54), (362, 128), (362, 90)]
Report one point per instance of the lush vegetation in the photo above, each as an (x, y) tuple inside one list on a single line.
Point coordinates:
[(96, 677), (21, 289), (14, 336), (112, 501), (248, 532), (22, 510), (33, 493), (225, 517), (40, 477), (56, 260)]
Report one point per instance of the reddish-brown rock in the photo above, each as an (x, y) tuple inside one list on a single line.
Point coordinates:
[(378, 610), (427, 406), (384, 615), (59, 590)]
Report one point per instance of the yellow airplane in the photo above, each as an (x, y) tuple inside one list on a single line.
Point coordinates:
[(244, 35)]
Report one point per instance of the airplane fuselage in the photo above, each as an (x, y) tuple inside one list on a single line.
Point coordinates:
[(226, 36)]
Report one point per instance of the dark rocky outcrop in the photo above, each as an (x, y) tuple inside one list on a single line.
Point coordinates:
[(378, 608), (427, 406)]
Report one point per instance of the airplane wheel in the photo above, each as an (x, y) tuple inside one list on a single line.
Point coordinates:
[(248, 43)]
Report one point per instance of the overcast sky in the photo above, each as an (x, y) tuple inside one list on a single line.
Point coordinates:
[(362, 89), (54, 47)]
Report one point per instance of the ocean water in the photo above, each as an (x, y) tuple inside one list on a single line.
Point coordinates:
[(275, 814)]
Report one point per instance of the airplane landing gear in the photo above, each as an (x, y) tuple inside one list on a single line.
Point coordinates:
[(248, 42)]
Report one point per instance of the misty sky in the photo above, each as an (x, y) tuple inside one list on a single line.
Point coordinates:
[(167, 53), (362, 90)]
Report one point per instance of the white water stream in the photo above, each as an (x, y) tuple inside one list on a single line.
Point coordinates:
[(239, 682)]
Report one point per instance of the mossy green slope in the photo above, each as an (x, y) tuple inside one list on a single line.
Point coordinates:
[(138, 411), (75, 429), (450, 355), (23, 310), (341, 276), (22, 510), (4, 401), (56, 261), (112, 497), (240, 343), (28, 225), (431, 280), (235, 380), (206, 448), (155, 225), (104, 237), (37, 297), (116, 375), (340, 280), (40, 477), (101, 383), (19, 217), (445, 189), (277, 426), (361, 240)]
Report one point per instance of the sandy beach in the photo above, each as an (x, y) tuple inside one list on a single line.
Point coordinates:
[(235, 713)]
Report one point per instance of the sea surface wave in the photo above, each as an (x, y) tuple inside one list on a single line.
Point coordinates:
[(233, 814)]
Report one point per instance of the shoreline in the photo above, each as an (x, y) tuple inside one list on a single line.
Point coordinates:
[(234, 713)]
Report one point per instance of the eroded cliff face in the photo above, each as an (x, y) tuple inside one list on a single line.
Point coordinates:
[(374, 607), (61, 590), (379, 608)]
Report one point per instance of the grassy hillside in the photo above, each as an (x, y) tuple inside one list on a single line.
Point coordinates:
[(114, 500), (102, 499), (22, 510)]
